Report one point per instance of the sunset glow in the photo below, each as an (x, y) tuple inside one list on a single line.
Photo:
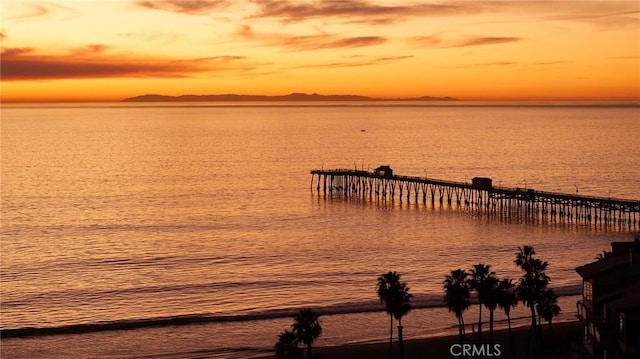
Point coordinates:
[(73, 50)]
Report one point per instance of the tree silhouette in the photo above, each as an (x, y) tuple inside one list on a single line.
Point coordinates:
[(478, 282), (287, 346), (395, 295), (306, 328), (532, 282), (507, 299), (547, 307), (401, 307), (456, 297), (385, 284), (490, 288), (604, 254)]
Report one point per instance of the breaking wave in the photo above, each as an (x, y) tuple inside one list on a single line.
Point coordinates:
[(418, 302)]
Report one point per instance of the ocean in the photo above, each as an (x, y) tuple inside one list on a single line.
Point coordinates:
[(165, 230)]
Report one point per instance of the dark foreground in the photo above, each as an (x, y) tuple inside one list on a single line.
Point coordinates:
[(559, 346)]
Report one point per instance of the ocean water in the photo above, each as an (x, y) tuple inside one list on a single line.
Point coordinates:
[(115, 216)]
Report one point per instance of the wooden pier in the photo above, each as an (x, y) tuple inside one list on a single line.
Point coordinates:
[(480, 195)]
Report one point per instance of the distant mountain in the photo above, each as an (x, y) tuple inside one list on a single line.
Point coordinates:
[(290, 97)]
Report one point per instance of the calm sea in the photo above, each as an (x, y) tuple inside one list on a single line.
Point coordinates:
[(114, 216)]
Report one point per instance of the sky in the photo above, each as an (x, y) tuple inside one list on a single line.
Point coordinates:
[(107, 50)]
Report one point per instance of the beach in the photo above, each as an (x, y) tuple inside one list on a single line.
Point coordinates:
[(558, 346), (190, 342)]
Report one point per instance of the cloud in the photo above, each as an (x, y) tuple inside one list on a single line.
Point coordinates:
[(192, 7), (598, 12), (157, 37), (308, 42), (31, 11), (438, 41), (26, 11), (509, 63), (632, 57), (483, 64), (476, 41), (606, 14), (89, 50), (357, 61), (358, 11), (94, 61), (429, 41)]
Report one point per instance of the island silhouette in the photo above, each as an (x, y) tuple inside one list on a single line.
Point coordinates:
[(296, 96)]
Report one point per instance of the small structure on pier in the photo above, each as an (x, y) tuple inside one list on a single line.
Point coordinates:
[(482, 182), (384, 171)]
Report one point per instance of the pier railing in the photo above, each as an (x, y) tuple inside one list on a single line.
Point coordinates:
[(504, 201)]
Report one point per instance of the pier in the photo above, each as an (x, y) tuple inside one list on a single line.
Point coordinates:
[(383, 185)]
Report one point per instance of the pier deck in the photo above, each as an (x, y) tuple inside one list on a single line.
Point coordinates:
[(480, 195)]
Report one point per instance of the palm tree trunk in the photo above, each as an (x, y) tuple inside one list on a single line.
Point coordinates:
[(390, 336), (480, 322), (400, 338), (463, 330), (539, 327), (460, 325), (513, 347), (309, 351), (532, 331), (550, 330), (491, 327)]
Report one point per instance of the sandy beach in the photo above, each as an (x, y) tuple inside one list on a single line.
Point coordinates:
[(559, 346)]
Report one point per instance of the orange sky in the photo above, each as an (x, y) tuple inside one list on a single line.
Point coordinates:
[(75, 50)]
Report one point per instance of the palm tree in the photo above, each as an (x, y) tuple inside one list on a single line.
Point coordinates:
[(604, 254), (548, 307), (307, 328), (532, 282), (401, 307), (387, 284), (524, 257), (491, 300), (287, 346), (456, 297), (507, 299), (477, 282)]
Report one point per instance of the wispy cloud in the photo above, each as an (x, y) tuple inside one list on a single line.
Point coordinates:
[(601, 13), (308, 42), (157, 37), (358, 11), (185, 6), (631, 57), (476, 41), (94, 61), (509, 63), (439, 40), (356, 61), (33, 10)]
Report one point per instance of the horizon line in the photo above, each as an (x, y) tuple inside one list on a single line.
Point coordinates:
[(313, 97)]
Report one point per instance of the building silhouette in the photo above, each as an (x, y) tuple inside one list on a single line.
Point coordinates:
[(610, 305)]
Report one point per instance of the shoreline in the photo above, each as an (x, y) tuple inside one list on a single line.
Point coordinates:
[(363, 335), (557, 346)]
